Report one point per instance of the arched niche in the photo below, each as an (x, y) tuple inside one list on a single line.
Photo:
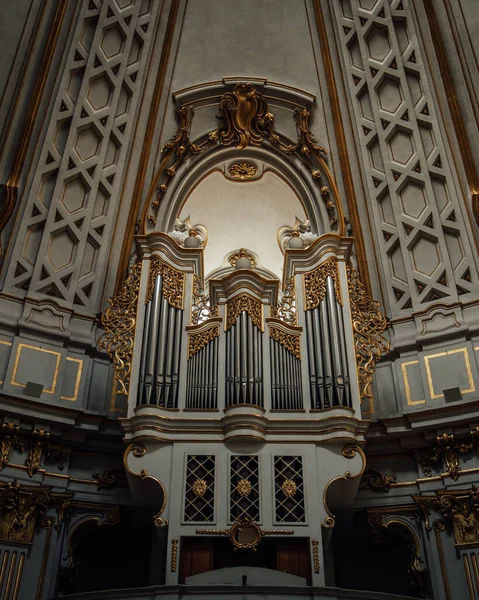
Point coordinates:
[(281, 191)]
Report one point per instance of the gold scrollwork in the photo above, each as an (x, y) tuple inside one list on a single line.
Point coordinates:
[(459, 508), (245, 120), (174, 555), (242, 170), (348, 451), (8, 434), (197, 341), (315, 545), (173, 282), (201, 309), (241, 303), (369, 325), (286, 309), (39, 441), (288, 340), (119, 321), (23, 507), (315, 283), (245, 117), (138, 450), (378, 481)]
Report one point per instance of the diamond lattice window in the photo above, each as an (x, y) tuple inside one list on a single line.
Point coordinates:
[(200, 489), (244, 488), (289, 489)]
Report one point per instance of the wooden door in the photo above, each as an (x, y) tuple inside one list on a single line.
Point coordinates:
[(196, 556), (292, 556)]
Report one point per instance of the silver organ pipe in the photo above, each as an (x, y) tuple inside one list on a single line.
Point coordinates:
[(159, 369), (329, 378), (202, 378), (286, 391), (244, 376)]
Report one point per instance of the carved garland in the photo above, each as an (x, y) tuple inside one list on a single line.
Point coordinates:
[(197, 341), (315, 283), (245, 120), (119, 321), (369, 325), (244, 303), (287, 340), (173, 282)]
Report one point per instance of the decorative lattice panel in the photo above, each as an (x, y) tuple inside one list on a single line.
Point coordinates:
[(244, 488), (414, 206), (69, 214), (200, 489), (289, 489)]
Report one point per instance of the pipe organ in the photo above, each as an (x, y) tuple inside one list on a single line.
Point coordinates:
[(249, 354), (244, 391)]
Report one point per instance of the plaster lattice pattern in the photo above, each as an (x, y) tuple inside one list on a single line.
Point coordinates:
[(70, 212), (426, 254)]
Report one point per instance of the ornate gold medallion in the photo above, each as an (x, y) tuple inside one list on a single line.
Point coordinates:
[(242, 170), (244, 487), (289, 488), (199, 487)]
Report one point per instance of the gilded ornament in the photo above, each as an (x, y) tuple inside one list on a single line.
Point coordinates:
[(174, 555), (245, 534), (243, 253), (119, 321), (201, 309), (246, 303), (174, 154), (315, 283), (110, 478), (242, 170), (245, 117), (378, 481), (447, 447), (8, 434), (199, 487), (288, 340), (197, 341), (244, 487), (315, 545), (288, 488), (459, 509), (244, 120), (173, 282), (38, 443), (369, 325), (286, 309), (23, 507)]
